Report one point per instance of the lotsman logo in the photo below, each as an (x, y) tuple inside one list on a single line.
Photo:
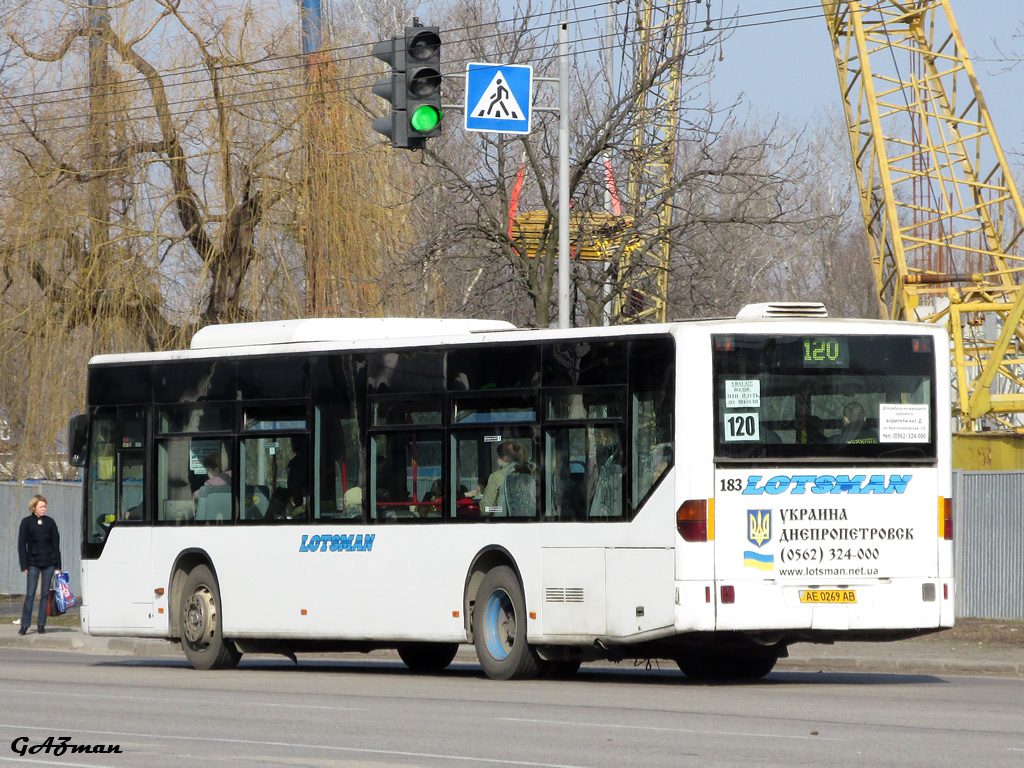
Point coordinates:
[(336, 543), (798, 484)]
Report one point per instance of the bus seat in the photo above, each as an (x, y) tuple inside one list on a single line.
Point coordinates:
[(214, 503), (520, 495), (178, 510)]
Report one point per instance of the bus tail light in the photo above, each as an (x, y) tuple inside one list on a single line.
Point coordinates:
[(692, 520), (946, 518), (728, 594)]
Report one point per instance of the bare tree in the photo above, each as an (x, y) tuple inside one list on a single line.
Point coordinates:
[(721, 180), (155, 160)]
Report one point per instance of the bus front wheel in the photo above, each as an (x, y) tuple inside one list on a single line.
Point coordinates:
[(499, 628), (201, 637)]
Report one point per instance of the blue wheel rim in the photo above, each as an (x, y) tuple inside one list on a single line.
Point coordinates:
[(499, 616)]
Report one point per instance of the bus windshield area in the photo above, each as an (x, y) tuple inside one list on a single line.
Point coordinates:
[(823, 398)]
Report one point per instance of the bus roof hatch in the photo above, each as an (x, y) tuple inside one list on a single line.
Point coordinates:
[(778, 309), (336, 329)]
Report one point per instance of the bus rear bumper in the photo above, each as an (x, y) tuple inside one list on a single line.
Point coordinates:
[(893, 606)]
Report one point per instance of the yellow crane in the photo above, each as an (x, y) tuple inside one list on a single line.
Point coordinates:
[(637, 243), (643, 272), (941, 210)]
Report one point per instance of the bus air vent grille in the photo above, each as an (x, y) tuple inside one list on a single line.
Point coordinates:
[(563, 595), (782, 309)]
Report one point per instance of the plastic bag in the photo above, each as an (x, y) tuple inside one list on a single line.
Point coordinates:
[(65, 598)]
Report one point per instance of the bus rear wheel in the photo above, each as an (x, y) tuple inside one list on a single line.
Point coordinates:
[(427, 657), (201, 635), (499, 628)]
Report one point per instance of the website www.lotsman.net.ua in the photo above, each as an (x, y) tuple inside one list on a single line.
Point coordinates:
[(828, 572)]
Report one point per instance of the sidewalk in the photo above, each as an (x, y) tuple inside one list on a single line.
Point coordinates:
[(940, 654)]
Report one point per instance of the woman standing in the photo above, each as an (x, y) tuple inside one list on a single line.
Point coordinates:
[(39, 555)]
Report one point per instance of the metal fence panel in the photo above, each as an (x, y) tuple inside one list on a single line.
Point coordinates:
[(988, 542), (63, 504)]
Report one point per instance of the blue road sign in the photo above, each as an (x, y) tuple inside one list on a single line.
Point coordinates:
[(498, 98)]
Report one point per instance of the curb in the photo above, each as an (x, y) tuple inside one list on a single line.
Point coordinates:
[(903, 666), (69, 639)]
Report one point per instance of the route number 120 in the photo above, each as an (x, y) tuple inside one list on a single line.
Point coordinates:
[(742, 426)]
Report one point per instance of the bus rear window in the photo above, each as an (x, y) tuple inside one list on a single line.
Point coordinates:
[(824, 397)]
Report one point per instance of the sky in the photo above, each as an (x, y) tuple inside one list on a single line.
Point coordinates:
[(787, 68)]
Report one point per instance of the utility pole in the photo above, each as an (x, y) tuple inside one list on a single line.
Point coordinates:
[(315, 240), (98, 195), (609, 200), (564, 306)]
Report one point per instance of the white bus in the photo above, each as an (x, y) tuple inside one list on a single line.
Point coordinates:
[(708, 492)]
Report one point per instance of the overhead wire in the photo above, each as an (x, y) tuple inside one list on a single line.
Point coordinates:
[(301, 57), (198, 69), (362, 79), (50, 95)]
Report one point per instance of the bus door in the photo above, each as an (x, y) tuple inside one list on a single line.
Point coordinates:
[(118, 538)]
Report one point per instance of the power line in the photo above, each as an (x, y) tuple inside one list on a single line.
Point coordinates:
[(362, 79), (51, 95)]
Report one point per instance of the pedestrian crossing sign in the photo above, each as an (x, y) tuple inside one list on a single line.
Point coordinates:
[(499, 97)]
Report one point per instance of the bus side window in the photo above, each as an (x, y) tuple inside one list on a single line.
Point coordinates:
[(651, 379), (275, 478), (341, 466), (174, 487), (406, 467), (585, 469)]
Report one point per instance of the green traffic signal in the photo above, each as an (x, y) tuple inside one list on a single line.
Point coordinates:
[(413, 89), (425, 118)]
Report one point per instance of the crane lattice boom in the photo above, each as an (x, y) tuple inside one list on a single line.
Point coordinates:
[(943, 216)]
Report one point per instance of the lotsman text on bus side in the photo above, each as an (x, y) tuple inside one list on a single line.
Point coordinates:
[(827, 484), (337, 543)]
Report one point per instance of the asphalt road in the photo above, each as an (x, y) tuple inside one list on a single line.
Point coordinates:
[(159, 712)]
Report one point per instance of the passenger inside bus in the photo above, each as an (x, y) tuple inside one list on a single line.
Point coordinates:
[(511, 489), (215, 475), (283, 507), (855, 428)]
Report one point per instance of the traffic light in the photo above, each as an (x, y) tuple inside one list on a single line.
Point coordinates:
[(413, 88)]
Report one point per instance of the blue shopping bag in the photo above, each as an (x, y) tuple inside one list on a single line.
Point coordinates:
[(63, 595)]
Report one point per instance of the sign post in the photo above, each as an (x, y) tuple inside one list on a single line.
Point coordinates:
[(499, 99)]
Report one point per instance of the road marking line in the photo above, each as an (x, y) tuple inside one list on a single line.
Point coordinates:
[(164, 700), (29, 761), (671, 730)]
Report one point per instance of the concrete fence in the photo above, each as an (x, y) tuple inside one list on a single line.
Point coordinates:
[(988, 530)]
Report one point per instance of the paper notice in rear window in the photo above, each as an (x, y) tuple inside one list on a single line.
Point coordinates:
[(742, 393), (899, 423)]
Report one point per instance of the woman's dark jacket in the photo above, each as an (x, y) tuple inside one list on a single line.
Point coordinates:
[(38, 543)]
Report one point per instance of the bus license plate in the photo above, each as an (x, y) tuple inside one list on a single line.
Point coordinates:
[(828, 596)]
